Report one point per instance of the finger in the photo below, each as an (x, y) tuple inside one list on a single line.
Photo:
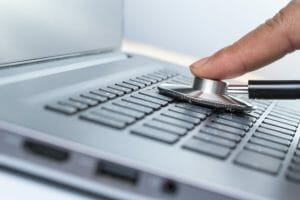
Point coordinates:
[(269, 42)]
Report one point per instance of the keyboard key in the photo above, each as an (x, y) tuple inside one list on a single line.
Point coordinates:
[(194, 108), (166, 127), (135, 107), (272, 138), (222, 134), (181, 117), (258, 162), (225, 128), (103, 93), (155, 94), (293, 176), (242, 120), (294, 168), (287, 110), (265, 150), (253, 114), (65, 109), (150, 99), (124, 111), (157, 76), (188, 112), (112, 91), (153, 79), (103, 120), (146, 83), (207, 148), (94, 97), (75, 104), (126, 85), (269, 144), (175, 122), (115, 116), (231, 124), (122, 89), (281, 120), (279, 116), (277, 129), (296, 160), (216, 140), (137, 84), (155, 134), (279, 124), (282, 113), (274, 133), (87, 101), (142, 102)]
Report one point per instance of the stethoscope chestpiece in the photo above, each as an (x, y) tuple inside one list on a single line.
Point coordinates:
[(206, 92)]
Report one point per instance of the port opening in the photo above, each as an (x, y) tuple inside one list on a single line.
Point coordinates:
[(46, 151), (117, 172)]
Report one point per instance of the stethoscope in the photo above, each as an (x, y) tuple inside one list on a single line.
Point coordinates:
[(217, 94)]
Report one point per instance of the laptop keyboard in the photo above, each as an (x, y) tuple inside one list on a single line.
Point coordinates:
[(215, 134)]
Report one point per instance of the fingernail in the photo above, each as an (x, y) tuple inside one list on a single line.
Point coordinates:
[(199, 63)]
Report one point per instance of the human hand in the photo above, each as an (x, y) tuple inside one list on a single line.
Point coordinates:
[(267, 43)]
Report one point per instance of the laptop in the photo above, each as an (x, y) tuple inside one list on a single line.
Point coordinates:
[(78, 112)]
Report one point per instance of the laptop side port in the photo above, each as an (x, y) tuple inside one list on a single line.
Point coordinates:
[(46, 151), (117, 172)]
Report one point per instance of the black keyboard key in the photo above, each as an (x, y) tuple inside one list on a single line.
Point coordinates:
[(103, 120), (258, 162), (194, 108), (75, 104), (216, 140), (95, 97), (134, 83), (231, 124), (114, 116), (103, 93), (112, 91), (275, 133), (166, 127), (207, 148), (175, 122), (277, 129), (279, 124), (155, 134), (142, 102), (87, 101), (126, 85), (182, 117), (155, 94), (225, 128), (269, 144), (124, 111), (272, 138), (133, 106), (150, 99), (222, 134), (65, 109), (122, 89), (265, 150), (188, 112)]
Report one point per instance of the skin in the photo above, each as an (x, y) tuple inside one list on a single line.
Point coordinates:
[(268, 42)]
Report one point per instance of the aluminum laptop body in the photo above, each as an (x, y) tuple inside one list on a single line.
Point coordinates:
[(78, 112)]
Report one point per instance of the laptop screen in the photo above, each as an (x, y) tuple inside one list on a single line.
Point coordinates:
[(34, 30)]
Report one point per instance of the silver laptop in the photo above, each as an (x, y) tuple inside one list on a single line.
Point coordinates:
[(77, 111)]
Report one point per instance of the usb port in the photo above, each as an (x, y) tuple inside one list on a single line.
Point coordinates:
[(46, 151), (117, 172)]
